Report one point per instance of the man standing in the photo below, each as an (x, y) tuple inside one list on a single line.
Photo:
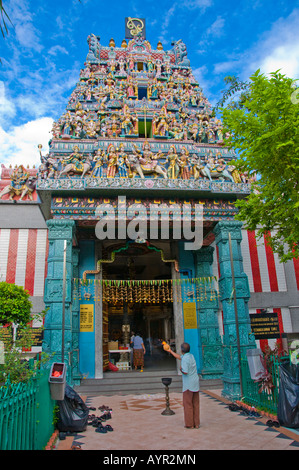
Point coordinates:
[(190, 386)]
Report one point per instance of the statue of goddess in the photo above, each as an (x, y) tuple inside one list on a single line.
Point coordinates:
[(112, 158)]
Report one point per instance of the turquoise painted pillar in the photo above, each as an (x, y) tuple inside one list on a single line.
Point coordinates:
[(87, 338), (207, 314), (231, 374), (187, 270), (59, 231), (75, 308)]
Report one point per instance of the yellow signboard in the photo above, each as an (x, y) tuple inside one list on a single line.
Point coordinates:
[(190, 318), (86, 317)]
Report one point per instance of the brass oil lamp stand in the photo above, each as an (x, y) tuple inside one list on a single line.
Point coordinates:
[(167, 412)]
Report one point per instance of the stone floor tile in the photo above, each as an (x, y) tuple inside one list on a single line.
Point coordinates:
[(139, 425)]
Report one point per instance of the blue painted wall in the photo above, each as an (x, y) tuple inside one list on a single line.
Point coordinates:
[(87, 339), (191, 336)]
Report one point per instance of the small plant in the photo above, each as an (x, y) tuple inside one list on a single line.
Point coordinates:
[(55, 415), (15, 306), (265, 377), (16, 368)]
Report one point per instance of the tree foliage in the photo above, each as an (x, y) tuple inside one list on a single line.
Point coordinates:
[(15, 305), (4, 18), (262, 127)]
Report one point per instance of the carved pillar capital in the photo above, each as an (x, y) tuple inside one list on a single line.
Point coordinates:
[(60, 229)]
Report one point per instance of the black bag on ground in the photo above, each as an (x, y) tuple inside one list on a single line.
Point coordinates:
[(288, 400), (73, 413)]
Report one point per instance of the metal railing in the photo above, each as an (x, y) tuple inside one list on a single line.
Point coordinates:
[(26, 414), (252, 393)]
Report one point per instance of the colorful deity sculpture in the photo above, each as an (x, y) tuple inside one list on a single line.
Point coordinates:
[(21, 184), (120, 92), (76, 163), (99, 159), (112, 159), (184, 164), (149, 162), (173, 167), (122, 162)]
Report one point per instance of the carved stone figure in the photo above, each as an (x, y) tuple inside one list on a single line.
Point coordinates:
[(21, 184), (112, 159), (180, 51), (183, 164), (76, 163), (122, 162), (93, 42), (99, 158), (215, 168), (173, 167), (148, 161)]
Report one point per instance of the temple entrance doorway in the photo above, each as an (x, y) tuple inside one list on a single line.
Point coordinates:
[(138, 292)]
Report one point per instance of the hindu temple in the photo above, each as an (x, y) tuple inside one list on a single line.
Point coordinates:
[(101, 233)]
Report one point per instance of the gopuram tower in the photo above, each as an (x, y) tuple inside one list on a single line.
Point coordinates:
[(138, 130)]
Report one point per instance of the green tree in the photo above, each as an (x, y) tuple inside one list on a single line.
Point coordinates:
[(262, 127), (4, 18), (15, 306)]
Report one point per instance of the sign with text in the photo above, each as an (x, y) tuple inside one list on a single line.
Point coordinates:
[(86, 317), (6, 336), (34, 336), (265, 325), (190, 318)]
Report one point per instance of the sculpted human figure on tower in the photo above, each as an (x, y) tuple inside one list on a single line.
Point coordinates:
[(147, 103)]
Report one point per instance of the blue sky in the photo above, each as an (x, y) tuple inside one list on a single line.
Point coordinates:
[(45, 50)]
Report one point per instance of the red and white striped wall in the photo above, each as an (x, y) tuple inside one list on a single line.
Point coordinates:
[(23, 261), (265, 274), (23, 258)]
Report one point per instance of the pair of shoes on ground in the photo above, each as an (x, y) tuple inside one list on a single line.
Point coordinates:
[(104, 408), (63, 434), (103, 429), (273, 423), (95, 420), (243, 411), (105, 416), (234, 407), (192, 427)]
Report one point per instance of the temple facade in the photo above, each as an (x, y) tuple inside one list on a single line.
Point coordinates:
[(129, 224)]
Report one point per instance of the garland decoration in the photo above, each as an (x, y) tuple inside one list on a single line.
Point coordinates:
[(154, 291)]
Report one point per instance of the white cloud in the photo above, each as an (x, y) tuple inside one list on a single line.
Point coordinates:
[(164, 27), (7, 108), (277, 49), (216, 28), (286, 58), (18, 146), (197, 4), (55, 49), (23, 21)]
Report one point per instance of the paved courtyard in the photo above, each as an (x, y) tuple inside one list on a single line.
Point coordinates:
[(137, 424)]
